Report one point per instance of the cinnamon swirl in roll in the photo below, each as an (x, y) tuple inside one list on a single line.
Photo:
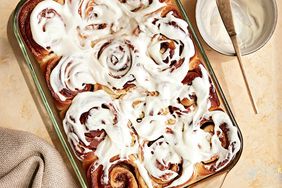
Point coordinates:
[(121, 173), (139, 108), (69, 76), (163, 164), (170, 47), (93, 118), (116, 59)]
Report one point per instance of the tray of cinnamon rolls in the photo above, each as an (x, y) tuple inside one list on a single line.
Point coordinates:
[(129, 90)]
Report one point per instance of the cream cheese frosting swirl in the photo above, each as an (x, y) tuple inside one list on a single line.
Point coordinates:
[(139, 8), (94, 114), (170, 48), (48, 25), (161, 161), (116, 57), (99, 19), (71, 75)]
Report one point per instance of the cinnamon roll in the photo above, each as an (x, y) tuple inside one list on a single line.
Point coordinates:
[(162, 163), (48, 26), (205, 94), (223, 142), (38, 51), (208, 143), (168, 22), (90, 119), (99, 19), (116, 59), (170, 47), (69, 76), (120, 63), (122, 173)]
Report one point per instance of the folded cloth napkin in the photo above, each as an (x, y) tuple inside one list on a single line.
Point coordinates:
[(28, 161)]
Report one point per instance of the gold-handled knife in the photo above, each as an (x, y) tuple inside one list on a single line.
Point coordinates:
[(225, 10)]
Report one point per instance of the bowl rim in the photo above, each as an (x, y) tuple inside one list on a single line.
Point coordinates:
[(269, 35)]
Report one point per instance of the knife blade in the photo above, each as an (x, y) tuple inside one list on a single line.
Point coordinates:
[(225, 11)]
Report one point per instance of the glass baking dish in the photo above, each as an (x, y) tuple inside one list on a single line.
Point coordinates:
[(53, 114)]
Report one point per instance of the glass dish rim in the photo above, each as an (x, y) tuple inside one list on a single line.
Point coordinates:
[(55, 124)]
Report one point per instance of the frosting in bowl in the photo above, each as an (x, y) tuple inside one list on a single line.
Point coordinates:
[(250, 19)]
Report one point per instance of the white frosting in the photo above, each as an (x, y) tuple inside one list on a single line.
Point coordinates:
[(103, 113), (163, 31), (71, 73), (99, 19), (188, 170), (47, 25), (164, 154), (138, 8), (115, 43), (202, 90), (249, 17), (117, 61), (144, 173)]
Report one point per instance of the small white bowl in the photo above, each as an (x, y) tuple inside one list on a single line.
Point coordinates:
[(205, 15)]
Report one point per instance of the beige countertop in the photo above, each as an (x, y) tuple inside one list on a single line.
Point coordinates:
[(261, 162)]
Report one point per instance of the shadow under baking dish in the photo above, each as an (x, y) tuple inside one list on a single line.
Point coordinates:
[(50, 109)]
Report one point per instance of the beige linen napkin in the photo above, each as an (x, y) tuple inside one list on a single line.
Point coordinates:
[(28, 161)]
